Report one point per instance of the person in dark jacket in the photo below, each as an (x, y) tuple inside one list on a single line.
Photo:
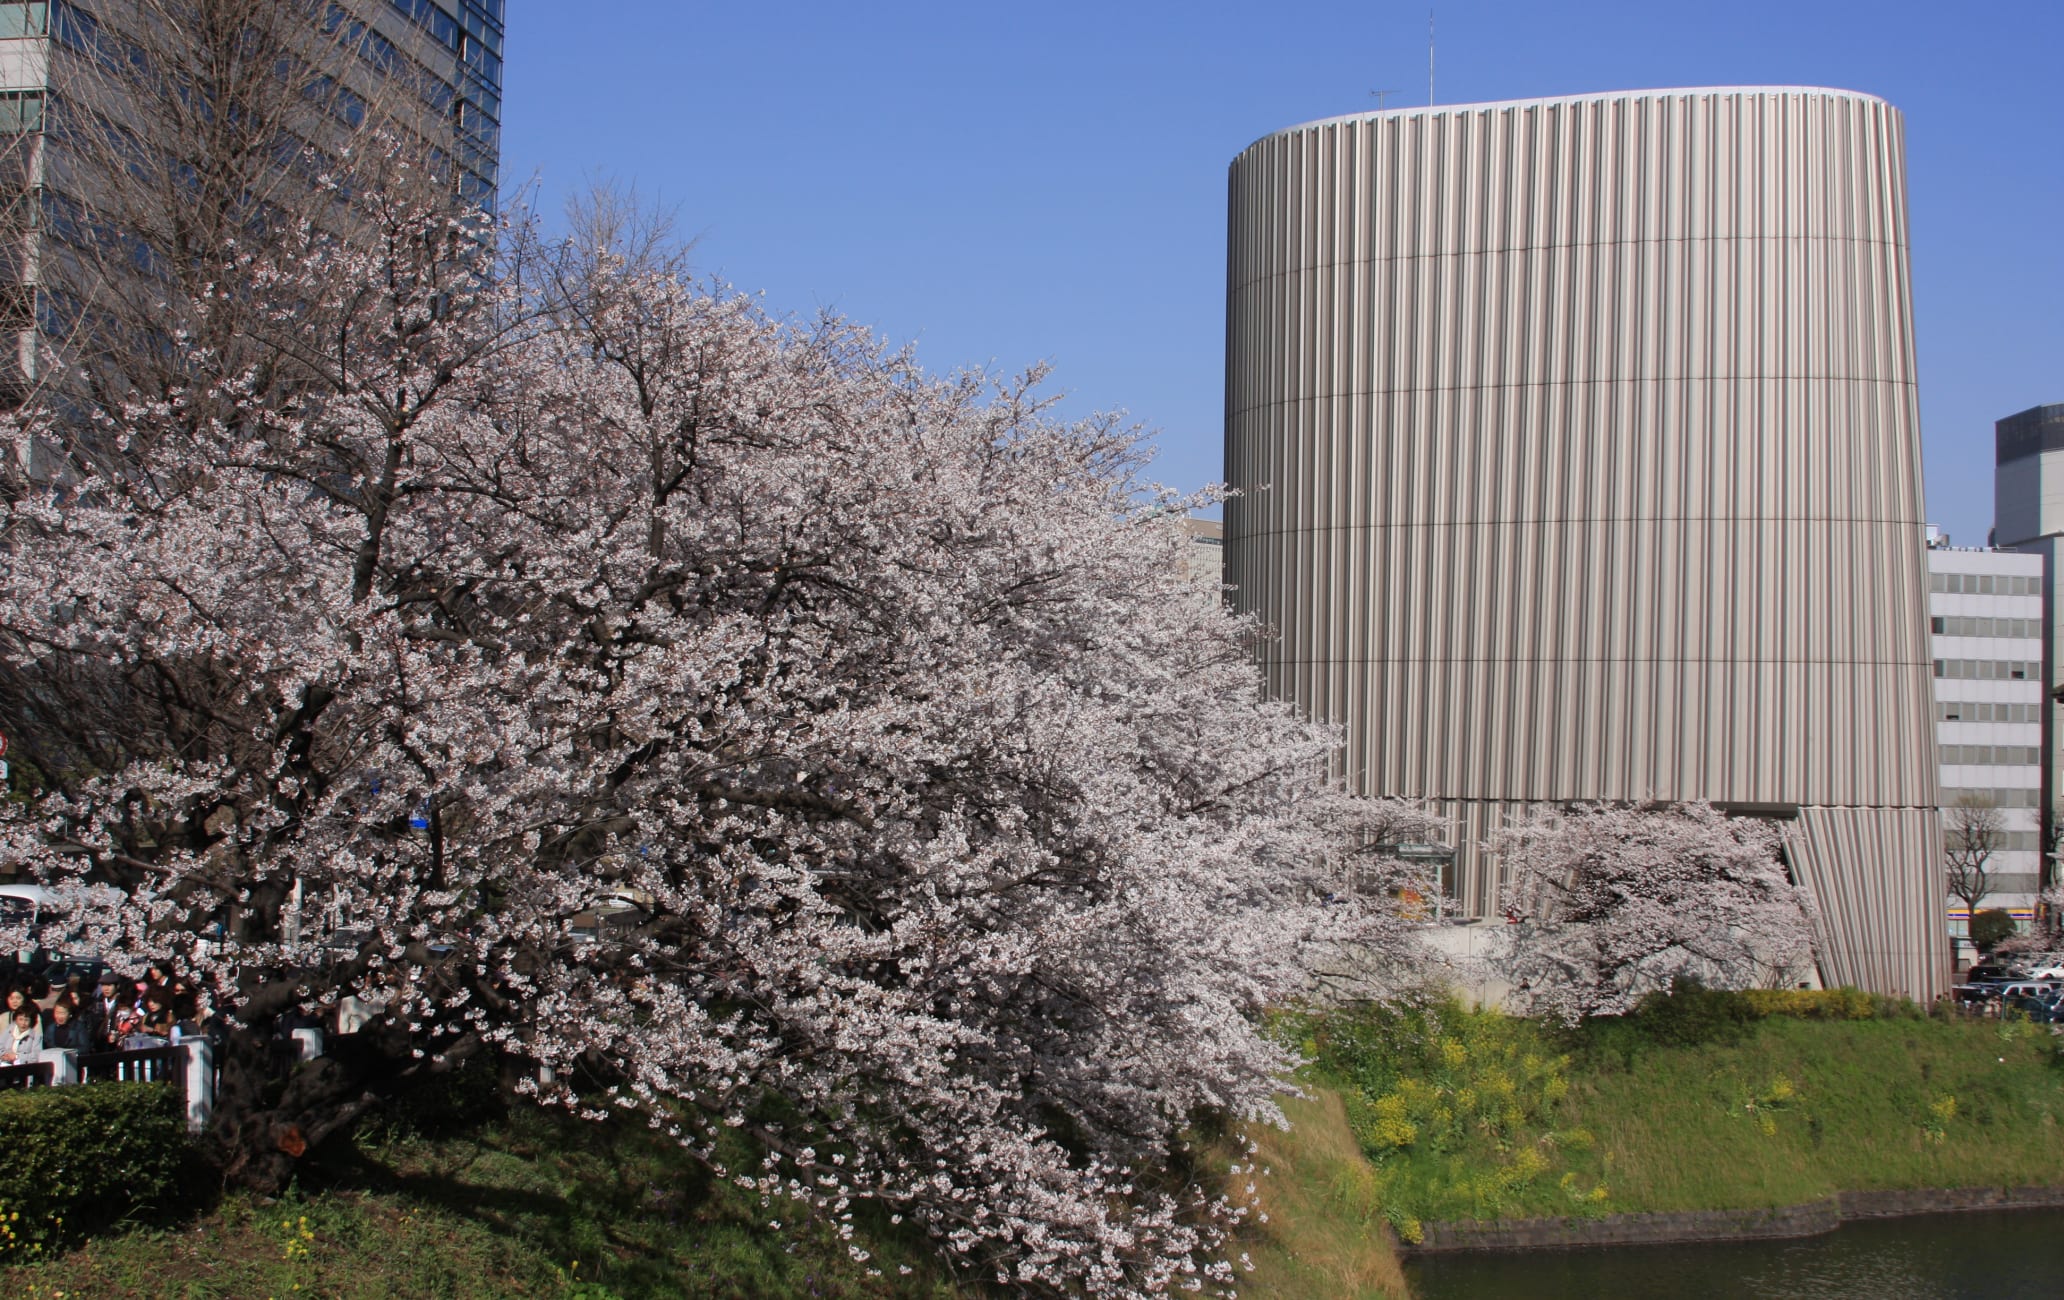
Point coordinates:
[(65, 1028), (105, 1010), (157, 1013)]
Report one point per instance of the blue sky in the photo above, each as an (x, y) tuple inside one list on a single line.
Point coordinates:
[(1005, 184)]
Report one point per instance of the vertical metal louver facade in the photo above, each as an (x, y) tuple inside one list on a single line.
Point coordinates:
[(1579, 458)]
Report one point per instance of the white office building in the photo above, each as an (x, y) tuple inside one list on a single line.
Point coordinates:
[(1985, 616)]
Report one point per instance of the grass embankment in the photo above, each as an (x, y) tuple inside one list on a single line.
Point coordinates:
[(1700, 1102), (1709, 1101), (518, 1203), (526, 1205), (1798, 1110), (1322, 1237)]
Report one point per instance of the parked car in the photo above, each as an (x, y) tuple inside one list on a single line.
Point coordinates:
[(1996, 973), (2041, 990), (613, 909)]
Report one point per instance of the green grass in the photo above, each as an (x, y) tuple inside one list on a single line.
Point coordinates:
[(528, 1205), (1424, 1115), (1477, 1115), (524, 1204), (1874, 1104), (1323, 1236)]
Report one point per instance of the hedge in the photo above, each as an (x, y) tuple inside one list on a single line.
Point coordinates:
[(76, 1159), (1827, 1004)]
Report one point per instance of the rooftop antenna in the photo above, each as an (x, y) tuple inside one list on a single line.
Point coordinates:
[(1379, 94), (1429, 58)]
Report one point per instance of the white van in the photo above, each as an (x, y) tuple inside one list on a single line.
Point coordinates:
[(2041, 990)]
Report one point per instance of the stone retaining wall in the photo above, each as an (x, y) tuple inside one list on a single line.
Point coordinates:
[(1656, 1229)]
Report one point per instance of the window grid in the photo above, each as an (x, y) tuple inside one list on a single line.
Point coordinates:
[(1984, 584), (1986, 711), (1964, 625), (1988, 670), (2008, 755), (2000, 798), (2008, 841)]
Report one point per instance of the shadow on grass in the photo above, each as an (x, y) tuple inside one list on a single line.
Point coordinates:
[(640, 1214)]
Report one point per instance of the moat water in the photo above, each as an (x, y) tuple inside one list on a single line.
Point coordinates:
[(1994, 1255)]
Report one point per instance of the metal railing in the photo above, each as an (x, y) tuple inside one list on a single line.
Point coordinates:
[(40, 1075), (143, 1065)]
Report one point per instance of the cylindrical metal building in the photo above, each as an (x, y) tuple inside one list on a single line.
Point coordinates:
[(1579, 458)]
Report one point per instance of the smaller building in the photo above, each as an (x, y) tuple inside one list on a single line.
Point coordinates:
[(1204, 558), (2028, 515), (2028, 467), (1985, 617)]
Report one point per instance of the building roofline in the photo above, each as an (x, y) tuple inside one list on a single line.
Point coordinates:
[(1596, 97)]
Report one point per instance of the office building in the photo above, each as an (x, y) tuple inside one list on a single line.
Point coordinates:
[(1578, 455), (2028, 515), (1204, 553), (1985, 619), (93, 175)]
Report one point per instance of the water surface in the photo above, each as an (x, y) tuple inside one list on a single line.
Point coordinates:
[(1989, 1255)]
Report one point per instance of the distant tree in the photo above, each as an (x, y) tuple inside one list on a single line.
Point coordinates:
[(1615, 903), (1973, 830), (1991, 927)]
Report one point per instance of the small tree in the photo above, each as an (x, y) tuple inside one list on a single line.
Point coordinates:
[(1991, 927), (1973, 830), (1616, 903)]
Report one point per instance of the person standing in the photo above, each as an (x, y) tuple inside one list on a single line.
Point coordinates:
[(65, 1028), (21, 1043), (107, 1008)]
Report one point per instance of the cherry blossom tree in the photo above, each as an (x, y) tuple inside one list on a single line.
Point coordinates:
[(1615, 902), (939, 834), (2040, 948)]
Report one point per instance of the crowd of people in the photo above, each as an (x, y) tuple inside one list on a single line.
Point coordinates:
[(79, 1015)]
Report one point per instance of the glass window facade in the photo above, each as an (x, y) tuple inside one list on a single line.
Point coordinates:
[(17, 20), (1985, 584), (1989, 670), (2018, 798), (1986, 711), (472, 31), (1959, 625), (2008, 755)]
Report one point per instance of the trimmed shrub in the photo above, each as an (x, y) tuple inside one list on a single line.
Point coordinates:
[(1690, 1013), (1822, 1004), (1991, 927), (81, 1158)]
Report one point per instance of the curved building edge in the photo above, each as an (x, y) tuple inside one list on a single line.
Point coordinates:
[(1595, 97)]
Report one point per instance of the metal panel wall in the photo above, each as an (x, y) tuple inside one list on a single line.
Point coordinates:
[(1579, 458)]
